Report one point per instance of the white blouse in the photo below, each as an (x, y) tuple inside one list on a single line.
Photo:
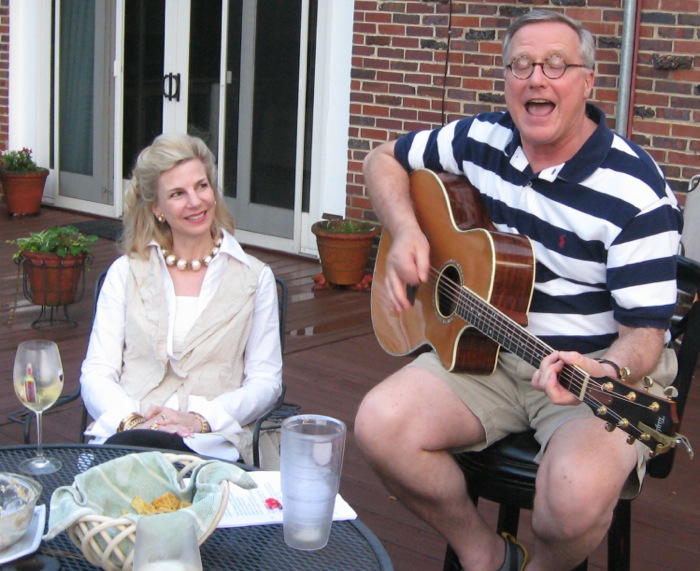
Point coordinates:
[(107, 402), (187, 311)]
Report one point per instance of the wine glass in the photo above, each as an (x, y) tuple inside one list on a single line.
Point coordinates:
[(38, 381)]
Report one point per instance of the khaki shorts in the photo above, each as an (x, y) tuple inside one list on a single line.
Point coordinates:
[(505, 402)]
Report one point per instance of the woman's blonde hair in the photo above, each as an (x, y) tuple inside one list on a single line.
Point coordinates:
[(140, 224)]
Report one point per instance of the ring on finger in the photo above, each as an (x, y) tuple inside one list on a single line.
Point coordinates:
[(163, 416), (154, 426)]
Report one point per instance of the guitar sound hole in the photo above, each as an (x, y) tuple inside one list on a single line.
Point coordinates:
[(447, 292)]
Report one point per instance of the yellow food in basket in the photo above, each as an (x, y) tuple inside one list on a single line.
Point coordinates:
[(168, 502)]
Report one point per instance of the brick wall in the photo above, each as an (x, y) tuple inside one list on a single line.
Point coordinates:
[(4, 72), (400, 81)]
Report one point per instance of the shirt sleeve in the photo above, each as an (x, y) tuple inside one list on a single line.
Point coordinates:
[(104, 398)]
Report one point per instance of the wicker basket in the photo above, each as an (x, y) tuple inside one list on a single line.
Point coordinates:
[(108, 542)]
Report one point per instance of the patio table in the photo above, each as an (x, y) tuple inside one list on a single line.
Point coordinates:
[(352, 546)]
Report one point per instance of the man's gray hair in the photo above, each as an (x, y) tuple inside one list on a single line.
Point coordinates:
[(586, 41)]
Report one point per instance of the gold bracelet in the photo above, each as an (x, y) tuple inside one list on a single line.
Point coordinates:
[(203, 421), (128, 422)]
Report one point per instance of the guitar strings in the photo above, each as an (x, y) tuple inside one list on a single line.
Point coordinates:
[(483, 318)]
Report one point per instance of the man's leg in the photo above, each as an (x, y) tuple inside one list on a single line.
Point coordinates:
[(578, 484), (404, 427)]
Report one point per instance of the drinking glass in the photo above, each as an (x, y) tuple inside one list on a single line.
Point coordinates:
[(166, 542), (38, 382), (311, 461)]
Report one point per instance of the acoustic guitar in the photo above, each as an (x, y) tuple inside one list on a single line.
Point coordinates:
[(476, 301)]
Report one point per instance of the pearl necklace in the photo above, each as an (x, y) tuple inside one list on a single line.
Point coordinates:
[(196, 264)]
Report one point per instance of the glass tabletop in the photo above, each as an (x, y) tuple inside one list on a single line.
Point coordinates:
[(352, 546)]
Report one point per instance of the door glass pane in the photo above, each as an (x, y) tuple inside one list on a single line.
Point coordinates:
[(233, 87), (85, 49), (204, 68), (76, 86), (308, 125), (277, 46), (143, 73)]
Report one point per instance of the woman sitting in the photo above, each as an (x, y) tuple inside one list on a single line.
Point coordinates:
[(185, 351)]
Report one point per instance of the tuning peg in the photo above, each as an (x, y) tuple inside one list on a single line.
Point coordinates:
[(647, 382), (671, 392), (609, 426), (654, 407), (623, 423), (631, 439), (632, 396)]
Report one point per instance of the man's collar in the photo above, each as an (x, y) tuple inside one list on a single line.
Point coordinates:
[(584, 163)]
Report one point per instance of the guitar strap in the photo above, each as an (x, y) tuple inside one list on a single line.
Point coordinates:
[(689, 327)]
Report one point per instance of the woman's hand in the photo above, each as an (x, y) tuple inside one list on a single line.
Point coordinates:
[(164, 419)]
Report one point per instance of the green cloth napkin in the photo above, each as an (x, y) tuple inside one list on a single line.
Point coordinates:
[(109, 488)]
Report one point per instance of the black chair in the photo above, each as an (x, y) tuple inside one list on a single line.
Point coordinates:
[(271, 420), (505, 472)]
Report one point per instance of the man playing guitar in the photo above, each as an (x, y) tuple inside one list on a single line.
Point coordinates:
[(604, 228)]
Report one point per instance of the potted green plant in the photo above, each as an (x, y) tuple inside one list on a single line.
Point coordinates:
[(344, 246), (53, 260), (22, 182)]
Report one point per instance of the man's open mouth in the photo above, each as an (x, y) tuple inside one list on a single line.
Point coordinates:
[(539, 107)]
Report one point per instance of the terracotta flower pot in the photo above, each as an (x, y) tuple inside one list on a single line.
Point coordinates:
[(344, 254), (23, 190), (52, 280)]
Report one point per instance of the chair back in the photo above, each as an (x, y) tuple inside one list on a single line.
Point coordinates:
[(685, 332)]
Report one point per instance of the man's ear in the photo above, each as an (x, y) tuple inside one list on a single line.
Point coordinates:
[(590, 82)]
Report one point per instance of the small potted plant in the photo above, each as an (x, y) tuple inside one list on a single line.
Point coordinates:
[(22, 182), (344, 247), (53, 261)]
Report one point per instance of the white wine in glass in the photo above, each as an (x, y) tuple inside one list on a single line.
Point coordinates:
[(38, 382)]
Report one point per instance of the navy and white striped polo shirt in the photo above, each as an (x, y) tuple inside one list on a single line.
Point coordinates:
[(605, 226)]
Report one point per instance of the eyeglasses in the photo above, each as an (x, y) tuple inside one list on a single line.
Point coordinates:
[(553, 67)]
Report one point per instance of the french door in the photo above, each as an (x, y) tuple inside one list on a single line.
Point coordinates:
[(83, 105), (237, 73)]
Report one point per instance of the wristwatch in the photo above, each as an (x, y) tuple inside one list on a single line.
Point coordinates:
[(623, 373)]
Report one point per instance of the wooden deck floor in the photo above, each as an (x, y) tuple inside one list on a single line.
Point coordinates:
[(331, 360)]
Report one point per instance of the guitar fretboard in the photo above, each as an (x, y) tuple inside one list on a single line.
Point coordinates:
[(513, 337)]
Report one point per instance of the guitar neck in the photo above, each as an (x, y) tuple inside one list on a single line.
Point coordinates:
[(517, 340)]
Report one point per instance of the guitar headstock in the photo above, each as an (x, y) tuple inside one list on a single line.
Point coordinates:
[(646, 417)]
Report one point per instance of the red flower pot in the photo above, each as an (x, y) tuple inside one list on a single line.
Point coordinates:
[(23, 190), (51, 280), (344, 255)]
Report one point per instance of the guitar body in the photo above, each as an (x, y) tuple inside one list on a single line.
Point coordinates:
[(465, 250)]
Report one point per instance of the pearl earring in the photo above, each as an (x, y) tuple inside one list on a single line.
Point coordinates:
[(161, 218)]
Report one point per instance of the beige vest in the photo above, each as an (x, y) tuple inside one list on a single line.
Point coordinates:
[(212, 359)]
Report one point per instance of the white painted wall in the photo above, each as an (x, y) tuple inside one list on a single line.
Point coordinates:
[(30, 82)]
